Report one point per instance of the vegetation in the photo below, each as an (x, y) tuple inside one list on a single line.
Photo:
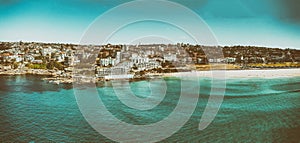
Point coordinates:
[(53, 64), (4, 46), (37, 66), (15, 65), (167, 64), (274, 65)]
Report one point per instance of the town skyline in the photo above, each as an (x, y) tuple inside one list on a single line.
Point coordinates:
[(151, 43)]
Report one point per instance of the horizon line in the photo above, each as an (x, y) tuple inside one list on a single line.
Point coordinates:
[(81, 44)]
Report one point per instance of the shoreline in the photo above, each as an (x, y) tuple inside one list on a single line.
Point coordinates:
[(247, 73), (29, 72), (222, 74)]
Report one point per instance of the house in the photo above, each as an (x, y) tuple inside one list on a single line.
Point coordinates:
[(19, 58), (69, 61), (28, 58), (47, 51), (4, 56), (6, 68), (111, 71), (170, 57), (139, 60), (109, 61), (230, 60), (216, 60), (37, 61)]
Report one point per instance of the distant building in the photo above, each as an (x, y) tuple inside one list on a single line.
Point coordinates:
[(216, 60), (170, 57), (139, 60), (109, 61), (47, 51), (28, 58), (101, 72), (69, 61), (230, 60), (118, 57), (37, 61)]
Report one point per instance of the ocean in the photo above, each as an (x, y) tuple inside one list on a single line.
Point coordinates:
[(253, 110)]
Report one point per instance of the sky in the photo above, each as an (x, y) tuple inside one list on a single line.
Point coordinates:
[(270, 23)]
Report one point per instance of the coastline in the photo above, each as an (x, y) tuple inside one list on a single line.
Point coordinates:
[(247, 73), (53, 78), (29, 72)]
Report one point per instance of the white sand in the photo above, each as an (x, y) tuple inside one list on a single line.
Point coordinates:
[(274, 73)]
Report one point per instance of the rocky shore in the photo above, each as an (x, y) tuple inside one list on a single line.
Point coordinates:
[(52, 76), (29, 71)]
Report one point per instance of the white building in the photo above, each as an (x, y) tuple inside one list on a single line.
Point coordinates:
[(118, 57), (139, 60), (217, 60), (29, 58), (230, 60), (19, 58), (170, 57), (47, 51), (111, 71), (107, 61)]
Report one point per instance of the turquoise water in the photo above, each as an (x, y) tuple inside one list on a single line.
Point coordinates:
[(254, 110)]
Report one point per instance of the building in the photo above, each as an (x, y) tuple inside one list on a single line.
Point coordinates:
[(170, 57), (101, 72), (230, 60), (118, 57), (69, 61), (139, 60), (37, 61), (109, 61)]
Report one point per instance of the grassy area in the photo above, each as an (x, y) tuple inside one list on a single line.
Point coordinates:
[(37, 66), (217, 67), (51, 65), (275, 65)]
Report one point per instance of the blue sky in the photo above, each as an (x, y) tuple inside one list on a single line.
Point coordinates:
[(272, 23)]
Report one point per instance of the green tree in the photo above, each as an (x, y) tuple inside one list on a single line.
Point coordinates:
[(15, 65), (58, 65), (50, 65), (53, 64)]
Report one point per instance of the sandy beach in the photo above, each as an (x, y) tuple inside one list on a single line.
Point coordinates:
[(265, 73)]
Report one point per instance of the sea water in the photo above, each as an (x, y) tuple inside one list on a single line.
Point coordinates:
[(253, 110)]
